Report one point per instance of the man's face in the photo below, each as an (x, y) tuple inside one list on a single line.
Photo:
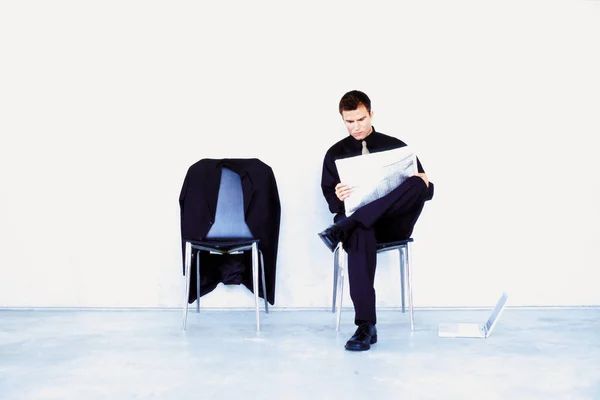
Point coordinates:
[(358, 122)]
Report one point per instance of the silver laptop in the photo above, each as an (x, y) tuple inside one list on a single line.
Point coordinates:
[(473, 330)]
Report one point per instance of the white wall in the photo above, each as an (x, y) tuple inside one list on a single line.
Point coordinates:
[(104, 105)]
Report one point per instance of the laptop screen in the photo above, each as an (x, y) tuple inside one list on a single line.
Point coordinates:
[(496, 313)]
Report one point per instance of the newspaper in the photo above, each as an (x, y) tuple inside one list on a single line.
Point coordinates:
[(374, 175)]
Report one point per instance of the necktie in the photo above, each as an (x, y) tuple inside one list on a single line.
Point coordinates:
[(365, 150)]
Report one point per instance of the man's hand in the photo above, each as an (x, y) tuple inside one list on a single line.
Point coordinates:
[(342, 191), (422, 176)]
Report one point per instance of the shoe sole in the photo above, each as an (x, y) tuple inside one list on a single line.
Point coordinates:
[(329, 244)]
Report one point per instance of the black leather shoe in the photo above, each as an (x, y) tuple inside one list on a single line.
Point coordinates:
[(363, 338), (332, 236)]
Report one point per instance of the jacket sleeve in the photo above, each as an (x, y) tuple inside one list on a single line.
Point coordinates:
[(182, 195), (329, 179)]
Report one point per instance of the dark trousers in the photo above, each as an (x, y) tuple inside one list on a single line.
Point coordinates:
[(389, 218)]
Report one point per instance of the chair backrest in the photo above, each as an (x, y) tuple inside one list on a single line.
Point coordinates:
[(229, 219)]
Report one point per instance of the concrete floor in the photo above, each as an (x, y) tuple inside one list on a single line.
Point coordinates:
[(65, 354)]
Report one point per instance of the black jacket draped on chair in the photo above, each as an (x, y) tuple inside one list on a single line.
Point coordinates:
[(262, 210)]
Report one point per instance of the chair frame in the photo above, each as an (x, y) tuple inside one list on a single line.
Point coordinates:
[(339, 265), (224, 247)]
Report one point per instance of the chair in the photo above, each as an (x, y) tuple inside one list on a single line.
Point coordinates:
[(339, 262), (228, 235)]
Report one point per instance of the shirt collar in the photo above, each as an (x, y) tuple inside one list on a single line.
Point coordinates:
[(357, 144)]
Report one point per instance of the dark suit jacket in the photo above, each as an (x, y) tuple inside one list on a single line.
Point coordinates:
[(262, 210)]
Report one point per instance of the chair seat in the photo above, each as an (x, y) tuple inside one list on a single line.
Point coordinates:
[(393, 245), (223, 244)]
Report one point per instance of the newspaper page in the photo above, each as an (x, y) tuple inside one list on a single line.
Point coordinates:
[(374, 175)]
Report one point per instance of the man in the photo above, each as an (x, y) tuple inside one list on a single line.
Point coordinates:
[(389, 218)]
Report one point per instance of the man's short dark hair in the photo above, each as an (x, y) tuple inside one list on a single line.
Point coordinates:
[(353, 99)]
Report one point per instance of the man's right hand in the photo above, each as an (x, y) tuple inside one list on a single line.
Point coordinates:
[(424, 177), (342, 191)]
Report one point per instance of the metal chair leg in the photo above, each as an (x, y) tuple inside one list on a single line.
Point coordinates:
[(198, 281), (264, 284), (402, 253), (188, 256), (255, 282), (410, 294), (341, 267), (336, 268)]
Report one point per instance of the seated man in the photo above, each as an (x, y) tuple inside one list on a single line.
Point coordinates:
[(389, 218)]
